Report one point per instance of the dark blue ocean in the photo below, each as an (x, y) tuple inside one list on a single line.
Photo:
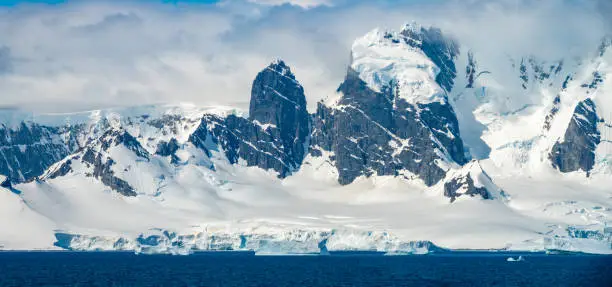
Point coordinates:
[(243, 269)]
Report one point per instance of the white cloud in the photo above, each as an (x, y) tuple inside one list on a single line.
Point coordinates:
[(301, 3), (101, 53)]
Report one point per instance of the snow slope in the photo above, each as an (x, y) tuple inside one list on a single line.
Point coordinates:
[(208, 210), (380, 61)]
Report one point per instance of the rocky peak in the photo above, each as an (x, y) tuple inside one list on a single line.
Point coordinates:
[(276, 95), (415, 53), (276, 133), (278, 101), (393, 117), (279, 66), (28, 149)]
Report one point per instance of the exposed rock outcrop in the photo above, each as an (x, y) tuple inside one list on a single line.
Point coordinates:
[(276, 134), (28, 150), (439, 48), (471, 180), (97, 157), (378, 133), (371, 130), (167, 148), (5, 182), (576, 150), (278, 101)]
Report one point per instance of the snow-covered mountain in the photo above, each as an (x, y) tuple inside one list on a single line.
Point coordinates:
[(422, 148)]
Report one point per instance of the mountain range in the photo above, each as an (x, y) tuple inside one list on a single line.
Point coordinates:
[(422, 148)]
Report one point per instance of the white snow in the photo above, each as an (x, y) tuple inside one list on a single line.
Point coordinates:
[(382, 57), (20, 226)]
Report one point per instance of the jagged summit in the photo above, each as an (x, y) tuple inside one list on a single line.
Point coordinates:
[(413, 27), (393, 117), (417, 60), (278, 99), (440, 48), (275, 135), (279, 66), (276, 94)]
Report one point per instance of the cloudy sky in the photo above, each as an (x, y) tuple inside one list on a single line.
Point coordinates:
[(60, 56)]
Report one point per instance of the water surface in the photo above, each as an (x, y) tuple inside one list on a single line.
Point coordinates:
[(348, 269)]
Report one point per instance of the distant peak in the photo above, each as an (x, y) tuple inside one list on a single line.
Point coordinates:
[(281, 67), (278, 62), (413, 27), (415, 34), (438, 48)]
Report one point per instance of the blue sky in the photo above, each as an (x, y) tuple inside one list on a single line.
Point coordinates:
[(16, 2)]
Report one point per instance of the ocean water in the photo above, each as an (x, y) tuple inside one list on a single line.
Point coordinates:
[(351, 269)]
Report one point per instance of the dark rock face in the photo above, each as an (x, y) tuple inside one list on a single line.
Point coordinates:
[(541, 72), (276, 134), (120, 137), (441, 119), (63, 169), (277, 99), (470, 71), (524, 77), (557, 100), (95, 155), (596, 80), (552, 113), (605, 44), (371, 133), (439, 48), (167, 148), (357, 130), (464, 185), (102, 171), (27, 151), (240, 138), (102, 163), (533, 71), (378, 133), (577, 150)]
